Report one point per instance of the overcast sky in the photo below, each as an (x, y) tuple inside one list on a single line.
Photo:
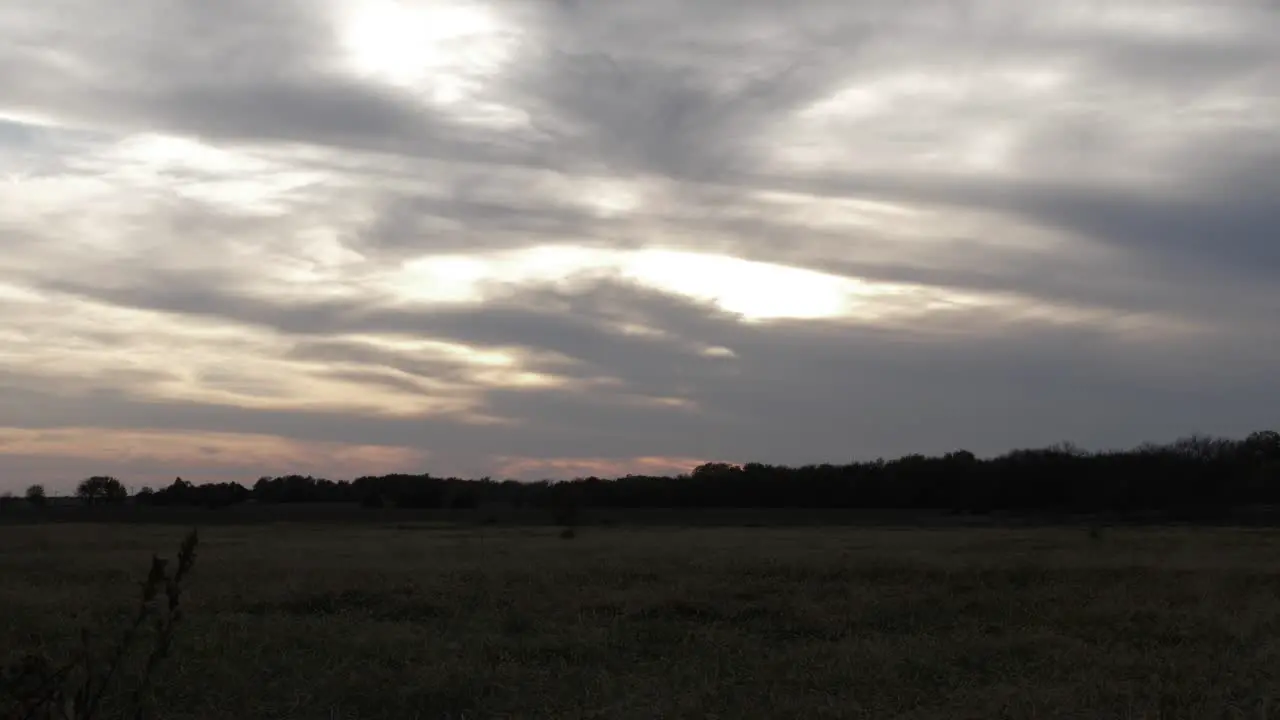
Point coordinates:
[(566, 237)]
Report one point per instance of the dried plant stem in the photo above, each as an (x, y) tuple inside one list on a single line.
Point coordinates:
[(36, 690)]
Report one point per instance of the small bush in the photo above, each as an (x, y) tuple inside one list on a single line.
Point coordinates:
[(36, 495), (32, 687)]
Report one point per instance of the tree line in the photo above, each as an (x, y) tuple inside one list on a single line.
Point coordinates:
[(1193, 477)]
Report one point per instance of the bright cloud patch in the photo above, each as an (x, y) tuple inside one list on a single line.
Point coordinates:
[(235, 182), (447, 52), (754, 290), (436, 42)]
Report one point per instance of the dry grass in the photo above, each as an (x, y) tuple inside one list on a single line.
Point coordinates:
[(295, 621), (35, 687)]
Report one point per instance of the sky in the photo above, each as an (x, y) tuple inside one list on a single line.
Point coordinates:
[(555, 238)]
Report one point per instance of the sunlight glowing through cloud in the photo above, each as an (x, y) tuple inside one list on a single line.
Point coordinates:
[(754, 290), (403, 42), (444, 51), (475, 367), (175, 360)]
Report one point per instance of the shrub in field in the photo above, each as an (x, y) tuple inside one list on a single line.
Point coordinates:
[(32, 687), (36, 495)]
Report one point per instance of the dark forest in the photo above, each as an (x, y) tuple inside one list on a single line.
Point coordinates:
[(1197, 477)]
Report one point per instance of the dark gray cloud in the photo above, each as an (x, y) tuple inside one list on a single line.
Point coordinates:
[(841, 390), (640, 115)]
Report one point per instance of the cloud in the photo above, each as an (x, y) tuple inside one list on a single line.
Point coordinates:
[(852, 388), (548, 237)]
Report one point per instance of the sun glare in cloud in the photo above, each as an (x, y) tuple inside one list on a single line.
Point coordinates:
[(754, 290), (445, 51)]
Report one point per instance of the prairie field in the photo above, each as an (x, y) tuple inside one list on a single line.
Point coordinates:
[(436, 620)]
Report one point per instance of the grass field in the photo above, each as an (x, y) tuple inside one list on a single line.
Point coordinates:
[(435, 621)]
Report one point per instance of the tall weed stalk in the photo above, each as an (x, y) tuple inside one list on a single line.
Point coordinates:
[(32, 687)]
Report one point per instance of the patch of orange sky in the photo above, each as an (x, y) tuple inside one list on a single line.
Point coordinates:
[(60, 457), (198, 456)]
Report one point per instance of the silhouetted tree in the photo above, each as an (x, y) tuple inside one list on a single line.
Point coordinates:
[(36, 496), (101, 488), (210, 495)]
